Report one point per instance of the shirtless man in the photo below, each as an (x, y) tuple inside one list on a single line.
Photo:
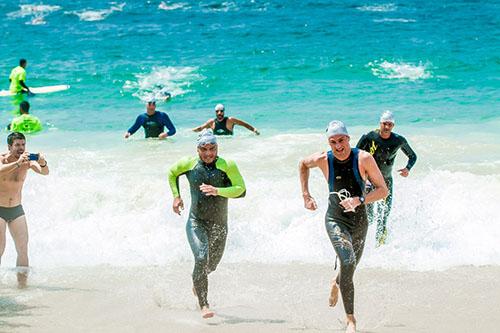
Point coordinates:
[(14, 166)]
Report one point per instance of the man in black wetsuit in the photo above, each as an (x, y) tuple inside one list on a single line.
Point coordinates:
[(154, 123), (222, 125), (383, 145), (212, 180), (346, 171)]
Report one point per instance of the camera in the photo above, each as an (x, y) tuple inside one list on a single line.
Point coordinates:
[(34, 157)]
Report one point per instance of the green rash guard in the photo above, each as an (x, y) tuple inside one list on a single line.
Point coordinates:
[(26, 123), (222, 174), (18, 74)]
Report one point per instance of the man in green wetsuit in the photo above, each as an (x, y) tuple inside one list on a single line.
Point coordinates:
[(25, 123), (222, 125), (17, 78), (212, 180), (383, 145)]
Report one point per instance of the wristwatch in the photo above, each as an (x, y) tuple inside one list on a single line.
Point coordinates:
[(361, 200)]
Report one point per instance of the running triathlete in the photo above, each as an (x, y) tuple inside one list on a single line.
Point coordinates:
[(383, 145), (212, 181), (346, 171)]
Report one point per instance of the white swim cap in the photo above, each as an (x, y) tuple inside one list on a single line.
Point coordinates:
[(151, 99), (219, 107), (206, 137), (387, 116), (336, 127)]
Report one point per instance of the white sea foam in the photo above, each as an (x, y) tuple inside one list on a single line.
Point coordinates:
[(109, 203), (398, 20), (175, 80), (38, 13), (97, 15), (173, 6), (30, 10), (388, 7), (400, 70)]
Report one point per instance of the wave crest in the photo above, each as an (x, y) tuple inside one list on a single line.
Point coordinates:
[(400, 70)]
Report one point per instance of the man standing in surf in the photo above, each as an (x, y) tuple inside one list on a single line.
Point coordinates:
[(346, 171), (153, 121), (212, 180), (14, 166), (383, 145), (222, 125), (17, 78)]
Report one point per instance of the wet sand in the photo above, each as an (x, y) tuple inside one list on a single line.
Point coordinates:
[(248, 298)]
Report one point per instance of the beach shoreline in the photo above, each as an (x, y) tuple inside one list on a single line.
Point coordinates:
[(249, 297)]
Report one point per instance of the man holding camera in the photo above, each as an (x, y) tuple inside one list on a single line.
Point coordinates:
[(14, 166)]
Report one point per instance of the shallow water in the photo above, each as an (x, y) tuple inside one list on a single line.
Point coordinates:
[(288, 68)]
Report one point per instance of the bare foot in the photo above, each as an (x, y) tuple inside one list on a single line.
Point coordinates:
[(22, 280), (206, 312), (334, 294), (351, 324)]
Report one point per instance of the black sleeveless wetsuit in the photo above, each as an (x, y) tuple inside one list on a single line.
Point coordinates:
[(347, 231), (220, 127), (384, 152)]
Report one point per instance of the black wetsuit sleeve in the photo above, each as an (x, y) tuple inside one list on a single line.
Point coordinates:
[(363, 143), (412, 157), (138, 123), (168, 123)]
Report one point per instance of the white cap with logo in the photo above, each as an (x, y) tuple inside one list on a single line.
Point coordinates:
[(387, 116), (206, 137), (336, 127)]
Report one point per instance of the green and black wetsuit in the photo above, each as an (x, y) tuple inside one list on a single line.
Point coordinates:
[(220, 127), (347, 230), (206, 227), (384, 152)]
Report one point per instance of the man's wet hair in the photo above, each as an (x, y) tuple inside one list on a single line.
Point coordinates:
[(22, 62), (15, 136), (25, 106)]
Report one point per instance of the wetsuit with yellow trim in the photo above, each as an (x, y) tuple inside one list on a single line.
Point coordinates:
[(347, 230), (384, 152), (206, 227)]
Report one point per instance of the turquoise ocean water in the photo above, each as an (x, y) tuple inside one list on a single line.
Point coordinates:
[(287, 67)]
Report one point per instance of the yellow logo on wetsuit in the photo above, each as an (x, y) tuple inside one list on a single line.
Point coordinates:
[(373, 148)]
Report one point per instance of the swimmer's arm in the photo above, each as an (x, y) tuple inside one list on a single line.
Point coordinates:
[(244, 124), (316, 160), (237, 188), (181, 167), (375, 177), (208, 124), (168, 123), (138, 123), (412, 157)]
